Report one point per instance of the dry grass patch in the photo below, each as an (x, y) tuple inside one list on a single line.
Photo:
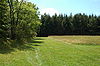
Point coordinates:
[(79, 39)]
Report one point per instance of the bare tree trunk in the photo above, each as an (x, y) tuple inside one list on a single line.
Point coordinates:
[(12, 35)]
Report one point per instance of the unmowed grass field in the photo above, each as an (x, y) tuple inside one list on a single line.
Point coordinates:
[(55, 51)]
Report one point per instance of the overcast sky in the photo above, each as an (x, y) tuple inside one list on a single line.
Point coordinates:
[(68, 6)]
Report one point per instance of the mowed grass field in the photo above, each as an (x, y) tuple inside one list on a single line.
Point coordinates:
[(55, 51), (83, 40)]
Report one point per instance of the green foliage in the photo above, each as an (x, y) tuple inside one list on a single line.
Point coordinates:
[(3, 19), (78, 24), (18, 20), (28, 21)]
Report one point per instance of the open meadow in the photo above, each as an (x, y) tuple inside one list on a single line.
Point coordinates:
[(55, 51)]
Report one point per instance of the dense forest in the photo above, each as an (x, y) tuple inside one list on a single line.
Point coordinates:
[(78, 24), (18, 21)]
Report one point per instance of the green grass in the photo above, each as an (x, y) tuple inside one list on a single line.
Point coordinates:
[(54, 51)]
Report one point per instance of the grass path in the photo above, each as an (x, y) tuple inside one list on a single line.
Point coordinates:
[(38, 57), (47, 51)]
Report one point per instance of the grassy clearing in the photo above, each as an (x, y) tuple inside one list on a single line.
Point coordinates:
[(93, 40), (49, 51)]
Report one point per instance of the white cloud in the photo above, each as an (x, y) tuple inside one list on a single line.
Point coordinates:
[(50, 11)]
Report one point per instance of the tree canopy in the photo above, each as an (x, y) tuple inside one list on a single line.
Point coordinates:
[(18, 20), (78, 24)]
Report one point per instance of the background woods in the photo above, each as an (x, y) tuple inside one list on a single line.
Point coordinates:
[(78, 24)]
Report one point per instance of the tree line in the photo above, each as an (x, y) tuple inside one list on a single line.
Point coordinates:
[(18, 20), (78, 24)]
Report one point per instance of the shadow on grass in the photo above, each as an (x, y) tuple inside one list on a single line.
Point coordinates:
[(34, 41), (6, 51), (22, 46)]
